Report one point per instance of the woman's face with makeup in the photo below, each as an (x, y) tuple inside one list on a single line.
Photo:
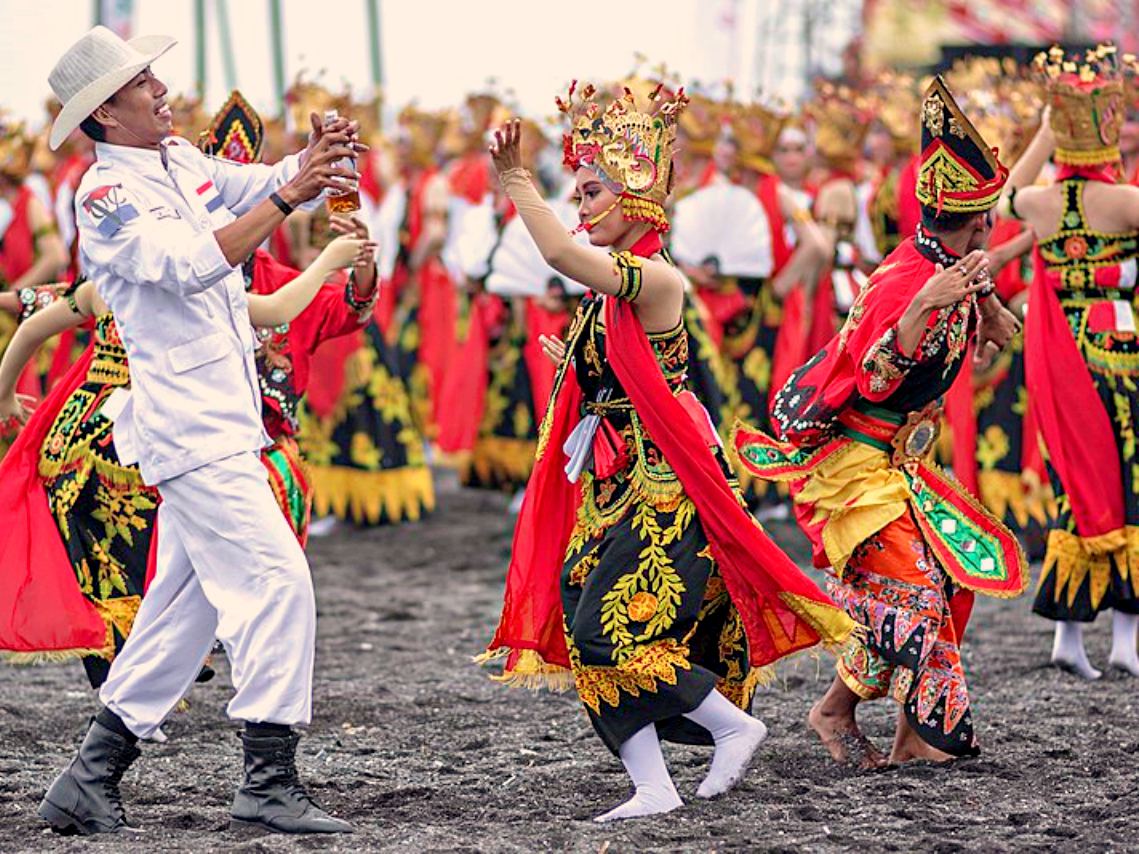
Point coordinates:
[(595, 200)]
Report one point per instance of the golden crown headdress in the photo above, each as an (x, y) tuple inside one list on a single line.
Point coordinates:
[(896, 103), (700, 123), (305, 97), (1003, 102), (756, 128), (468, 125), (842, 119), (422, 131), (15, 148), (630, 149), (1088, 102)]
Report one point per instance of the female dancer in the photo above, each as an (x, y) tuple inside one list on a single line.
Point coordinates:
[(89, 518), (636, 573), (1082, 356)]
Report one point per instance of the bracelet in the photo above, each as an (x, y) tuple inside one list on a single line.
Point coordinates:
[(283, 206)]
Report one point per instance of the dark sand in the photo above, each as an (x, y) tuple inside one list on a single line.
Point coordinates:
[(424, 753)]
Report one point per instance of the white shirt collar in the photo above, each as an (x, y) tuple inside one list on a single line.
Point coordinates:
[(142, 160)]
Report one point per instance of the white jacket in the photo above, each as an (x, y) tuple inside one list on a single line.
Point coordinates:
[(146, 222)]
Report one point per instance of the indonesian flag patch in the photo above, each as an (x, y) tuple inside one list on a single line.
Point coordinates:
[(109, 209), (208, 193)]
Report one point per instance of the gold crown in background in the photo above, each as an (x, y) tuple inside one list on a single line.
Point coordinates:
[(422, 131), (1003, 100), (701, 123), (896, 103), (1088, 102), (630, 148), (15, 148), (756, 128), (841, 119), (305, 97)]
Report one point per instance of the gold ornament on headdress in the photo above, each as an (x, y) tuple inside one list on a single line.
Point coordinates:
[(959, 171), (756, 128), (423, 131), (15, 148), (842, 119), (629, 149), (1088, 102)]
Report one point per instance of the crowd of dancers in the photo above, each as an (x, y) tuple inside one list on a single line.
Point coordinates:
[(654, 319)]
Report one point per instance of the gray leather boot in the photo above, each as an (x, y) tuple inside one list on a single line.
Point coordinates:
[(85, 798), (272, 797)]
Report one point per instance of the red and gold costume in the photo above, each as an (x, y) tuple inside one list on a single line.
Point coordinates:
[(645, 583), (906, 545), (1083, 360)]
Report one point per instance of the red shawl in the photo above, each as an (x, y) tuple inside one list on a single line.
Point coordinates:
[(791, 341), (41, 607), (18, 250), (772, 595), (539, 322), (1070, 415), (464, 388)]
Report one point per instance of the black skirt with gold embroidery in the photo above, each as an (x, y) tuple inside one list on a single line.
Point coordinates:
[(106, 516), (649, 624), (366, 459)]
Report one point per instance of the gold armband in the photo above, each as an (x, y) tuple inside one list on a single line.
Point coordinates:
[(629, 269)]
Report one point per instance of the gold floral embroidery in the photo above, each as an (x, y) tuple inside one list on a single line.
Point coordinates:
[(654, 575), (884, 363), (642, 671)]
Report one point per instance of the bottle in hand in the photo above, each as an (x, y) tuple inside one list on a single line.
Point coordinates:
[(348, 201)]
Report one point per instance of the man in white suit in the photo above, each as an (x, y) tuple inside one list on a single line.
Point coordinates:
[(163, 230)]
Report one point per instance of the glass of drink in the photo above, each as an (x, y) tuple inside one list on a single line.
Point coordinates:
[(348, 201)]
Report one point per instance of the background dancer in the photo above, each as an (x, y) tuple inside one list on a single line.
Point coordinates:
[(1083, 357)]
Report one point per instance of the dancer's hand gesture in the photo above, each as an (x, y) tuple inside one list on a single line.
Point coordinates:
[(14, 410), (554, 348), (506, 150), (948, 286)]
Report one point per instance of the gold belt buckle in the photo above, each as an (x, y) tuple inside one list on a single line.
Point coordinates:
[(915, 439)]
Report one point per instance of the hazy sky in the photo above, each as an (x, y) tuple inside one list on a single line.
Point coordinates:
[(434, 50)]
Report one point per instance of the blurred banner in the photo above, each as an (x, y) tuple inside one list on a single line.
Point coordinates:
[(117, 15), (911, 32)]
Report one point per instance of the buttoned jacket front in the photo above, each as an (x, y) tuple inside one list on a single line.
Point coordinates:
[(146, 239)]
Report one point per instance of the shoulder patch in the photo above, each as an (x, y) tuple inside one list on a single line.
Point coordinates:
[(109, 209)]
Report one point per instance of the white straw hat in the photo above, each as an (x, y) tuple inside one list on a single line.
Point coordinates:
[(94, 69)]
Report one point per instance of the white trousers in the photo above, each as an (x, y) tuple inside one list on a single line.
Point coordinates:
[(229, 567)]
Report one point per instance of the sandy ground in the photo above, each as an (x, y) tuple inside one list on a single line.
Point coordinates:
[(424, 753)]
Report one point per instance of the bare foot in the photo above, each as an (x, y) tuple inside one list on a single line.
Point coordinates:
[(920, 750), (843, 739), (908, 745)]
